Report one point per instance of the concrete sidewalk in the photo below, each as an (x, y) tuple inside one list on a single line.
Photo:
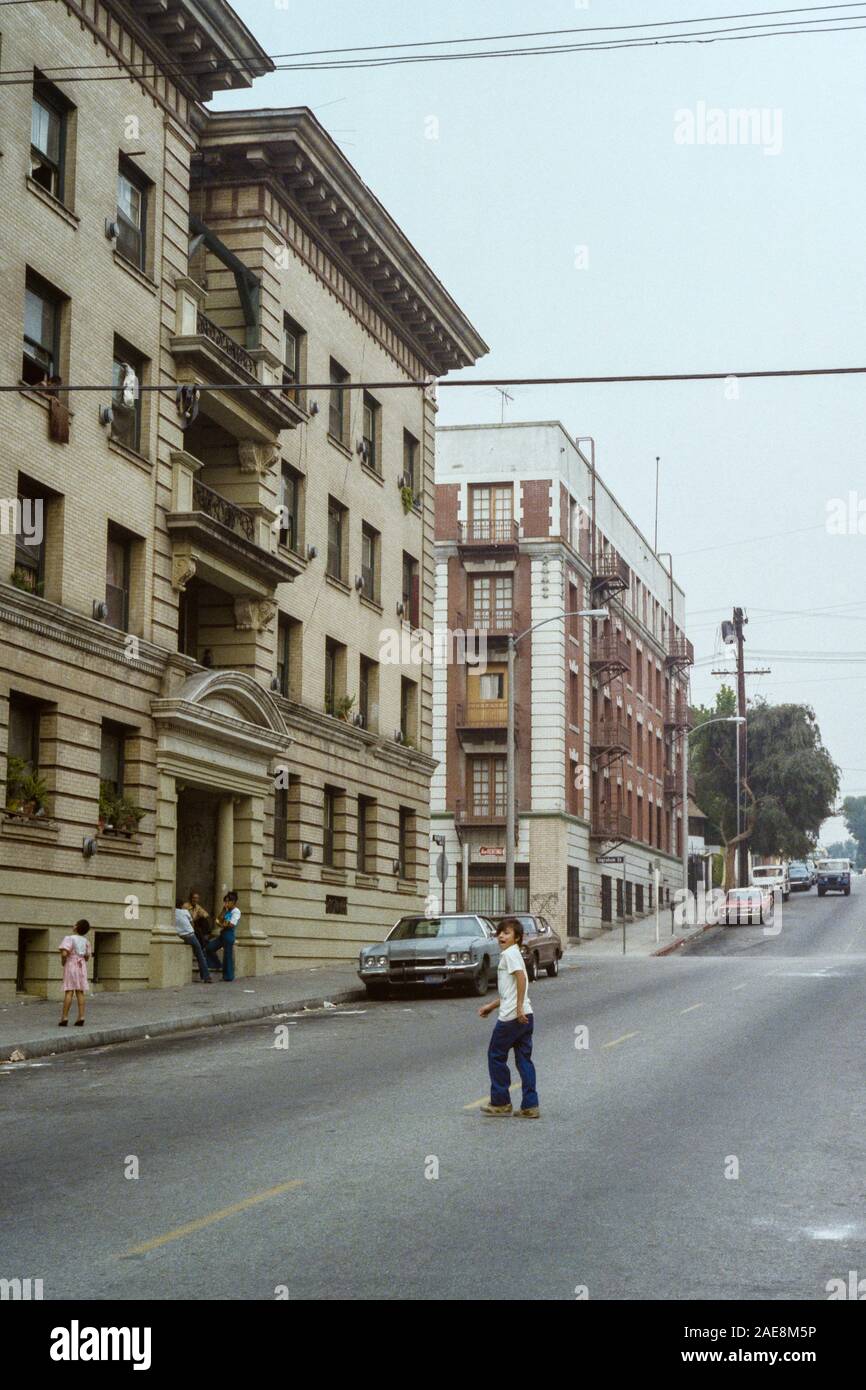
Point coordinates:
[(640, 939), (29, 1027)]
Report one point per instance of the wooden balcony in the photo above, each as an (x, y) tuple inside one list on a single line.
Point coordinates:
[(609, 823), (483, 719), (609, 654), (610, 736)]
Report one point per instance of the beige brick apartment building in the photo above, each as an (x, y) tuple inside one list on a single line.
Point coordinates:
[(194, 587), (525, 532)]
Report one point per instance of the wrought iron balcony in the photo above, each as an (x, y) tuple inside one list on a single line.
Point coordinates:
[(680, 652), (609, 823), (678, 714), (227, 344), (236, 518), (610, 573), (609, 654), (483, 714), (674, 785), (480, 811), (484, 531), (610, 736), (495, 622)]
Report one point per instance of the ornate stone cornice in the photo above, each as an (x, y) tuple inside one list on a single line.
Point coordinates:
[(56, 624)]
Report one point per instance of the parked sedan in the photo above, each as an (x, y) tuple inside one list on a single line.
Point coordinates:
[(800, 876), (457, 948), (541, 946), (746, 907)]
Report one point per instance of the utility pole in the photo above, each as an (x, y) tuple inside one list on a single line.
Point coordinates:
[(742, 852)]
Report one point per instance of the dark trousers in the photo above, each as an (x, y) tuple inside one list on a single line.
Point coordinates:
[(225, 942), (506, 1036), (194, 942)]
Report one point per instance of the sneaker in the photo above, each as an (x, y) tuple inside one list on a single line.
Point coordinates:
[(530, 1113), (497, 1109)]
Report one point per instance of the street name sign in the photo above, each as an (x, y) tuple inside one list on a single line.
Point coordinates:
[(610, 858)]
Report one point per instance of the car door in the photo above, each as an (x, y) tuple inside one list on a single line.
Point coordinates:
[(542, 940)]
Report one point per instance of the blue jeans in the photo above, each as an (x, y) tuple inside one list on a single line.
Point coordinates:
[(226, 943), (194, 942), (506, 1036)]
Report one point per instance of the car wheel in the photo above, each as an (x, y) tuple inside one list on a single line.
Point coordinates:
[(531, 968), (785, 897), (553, 968), (821, 892), (376, 991), (481, 980), (847, 892)]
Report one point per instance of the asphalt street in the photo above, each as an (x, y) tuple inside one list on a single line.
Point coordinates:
[(709, 1142)]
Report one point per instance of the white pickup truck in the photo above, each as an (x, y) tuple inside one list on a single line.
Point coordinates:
[(773, 877)]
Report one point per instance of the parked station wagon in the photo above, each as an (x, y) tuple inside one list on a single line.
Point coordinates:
[(458, 948)]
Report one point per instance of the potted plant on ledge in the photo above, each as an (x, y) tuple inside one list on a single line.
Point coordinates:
[(26, 792), (118, 814)]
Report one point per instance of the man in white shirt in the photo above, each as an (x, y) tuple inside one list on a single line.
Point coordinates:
[(185, 930), (513, 1028)]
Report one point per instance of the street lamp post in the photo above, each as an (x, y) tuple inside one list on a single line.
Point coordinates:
[(510, 787)]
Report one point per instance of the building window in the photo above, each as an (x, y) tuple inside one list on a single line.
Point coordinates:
[(117, 574), (49, 113), (284, 647), (291, 488), (337, 406), (112, 757), (488, 788), (127, 370), (370, 433), (30, 525), (24, 787), (411, 456), (332, 799), (491, 686), (42, 314), (370, 549), (406, 843), (411, 591), (336, 540), (132, 188), (294, 341), (368, 693), (491, 513), (281, 823), (408, 710), (366, 837), (335, 678)]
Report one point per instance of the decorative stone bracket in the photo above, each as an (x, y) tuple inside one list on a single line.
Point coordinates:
[(254, 614), (182, 570), (255, 457)]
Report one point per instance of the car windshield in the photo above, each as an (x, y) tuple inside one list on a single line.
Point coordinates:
[(744, 893), (416, 928), (833, 866), (767, 871)]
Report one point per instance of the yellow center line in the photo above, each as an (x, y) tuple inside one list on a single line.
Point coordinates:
[(180, 1231), (473, 1105), (689, 1009), (616, 1042)]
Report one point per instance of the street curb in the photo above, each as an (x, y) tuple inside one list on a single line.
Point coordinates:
[(104, 1037), (681, 940)]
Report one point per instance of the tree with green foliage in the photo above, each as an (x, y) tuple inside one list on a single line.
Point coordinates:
[(790, 785), (843, 849), (854, 811)]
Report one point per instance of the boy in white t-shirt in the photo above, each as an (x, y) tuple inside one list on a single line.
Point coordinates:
[(513, 1028)]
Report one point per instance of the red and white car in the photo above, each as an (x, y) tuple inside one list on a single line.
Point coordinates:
[(747, 907)]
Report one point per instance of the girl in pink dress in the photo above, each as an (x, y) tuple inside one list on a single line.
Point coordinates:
[(75, 953)]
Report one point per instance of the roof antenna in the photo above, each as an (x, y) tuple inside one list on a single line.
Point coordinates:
[(505, 397)]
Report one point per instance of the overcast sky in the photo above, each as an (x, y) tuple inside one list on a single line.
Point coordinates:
[(566, 215)]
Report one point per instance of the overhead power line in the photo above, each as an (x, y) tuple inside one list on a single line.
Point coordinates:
[(769, 29), (468, 382)]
